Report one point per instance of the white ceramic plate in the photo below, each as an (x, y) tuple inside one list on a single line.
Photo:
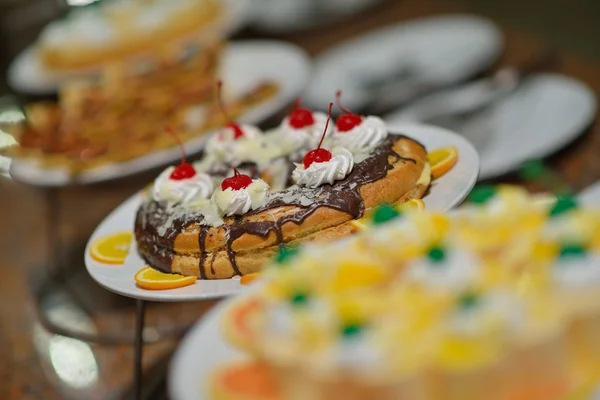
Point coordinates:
[(590, 196), (442, 49), (27, 75), (284, 16), (445, 193), (244, 64), (543, 115)]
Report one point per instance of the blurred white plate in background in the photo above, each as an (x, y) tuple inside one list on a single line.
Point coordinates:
[(244, 64), (27, 75), (283, 16), (544, 114), (442, 49)]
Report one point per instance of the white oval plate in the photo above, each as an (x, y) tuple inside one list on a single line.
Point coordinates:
[(27, 75), (445, 193), (443, 49), (244, 65), (543, 115)]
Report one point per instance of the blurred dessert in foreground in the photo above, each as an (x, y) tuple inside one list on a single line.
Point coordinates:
[(108, 31), (123, 116), (228, 214), (495, 302)]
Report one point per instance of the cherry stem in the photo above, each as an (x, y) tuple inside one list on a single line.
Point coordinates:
[(297, 103), (338, 100), (235, 172), (326, 125), (220, 100), (178, 140)]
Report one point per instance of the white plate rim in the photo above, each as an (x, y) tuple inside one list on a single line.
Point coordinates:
[(459, 181), (30, 172)]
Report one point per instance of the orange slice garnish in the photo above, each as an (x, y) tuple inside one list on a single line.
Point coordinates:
[(249, 278), (111, 249), (241, 321), (151, 279), (244, 381), (442, 160)]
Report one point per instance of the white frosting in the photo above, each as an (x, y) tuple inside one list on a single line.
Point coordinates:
[(192, 192), (359, 354), (300, 140), (237, 202), (222, 147), (577, 271), (496, 310), (455, 273), (371, 132), (318, 174)]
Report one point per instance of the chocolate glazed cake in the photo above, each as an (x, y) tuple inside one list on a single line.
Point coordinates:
[(178, 240)]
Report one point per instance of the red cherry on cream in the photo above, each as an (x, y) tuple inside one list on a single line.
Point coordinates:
[(319, 155), (237, 131), (236, 182), (347, 121), (183, 170), (301, 117)]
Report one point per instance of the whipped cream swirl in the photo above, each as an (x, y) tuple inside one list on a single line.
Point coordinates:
[(300, 140), (456, 273), (237, 202), (192, 192), (577, 271), (371, 132), (318, 174)]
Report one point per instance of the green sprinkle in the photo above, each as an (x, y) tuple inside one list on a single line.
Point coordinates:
[(285, 254), (571, 250), (481, 194), (299, 299), (563, 204), (533, 170), (468, 300), (436, 254), (384, 213), (351, 330)]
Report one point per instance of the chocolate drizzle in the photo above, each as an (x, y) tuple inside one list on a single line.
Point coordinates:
[(343, 195)]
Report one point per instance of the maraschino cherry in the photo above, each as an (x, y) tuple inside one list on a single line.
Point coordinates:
[(319, 155), (183, 170), (236, 182), (301, 117), (347, 121), (237, 131)]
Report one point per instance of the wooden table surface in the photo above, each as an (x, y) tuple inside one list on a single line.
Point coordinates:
[(30, 367)]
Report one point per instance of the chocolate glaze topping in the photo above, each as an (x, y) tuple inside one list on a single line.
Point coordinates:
[(156, 227)]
